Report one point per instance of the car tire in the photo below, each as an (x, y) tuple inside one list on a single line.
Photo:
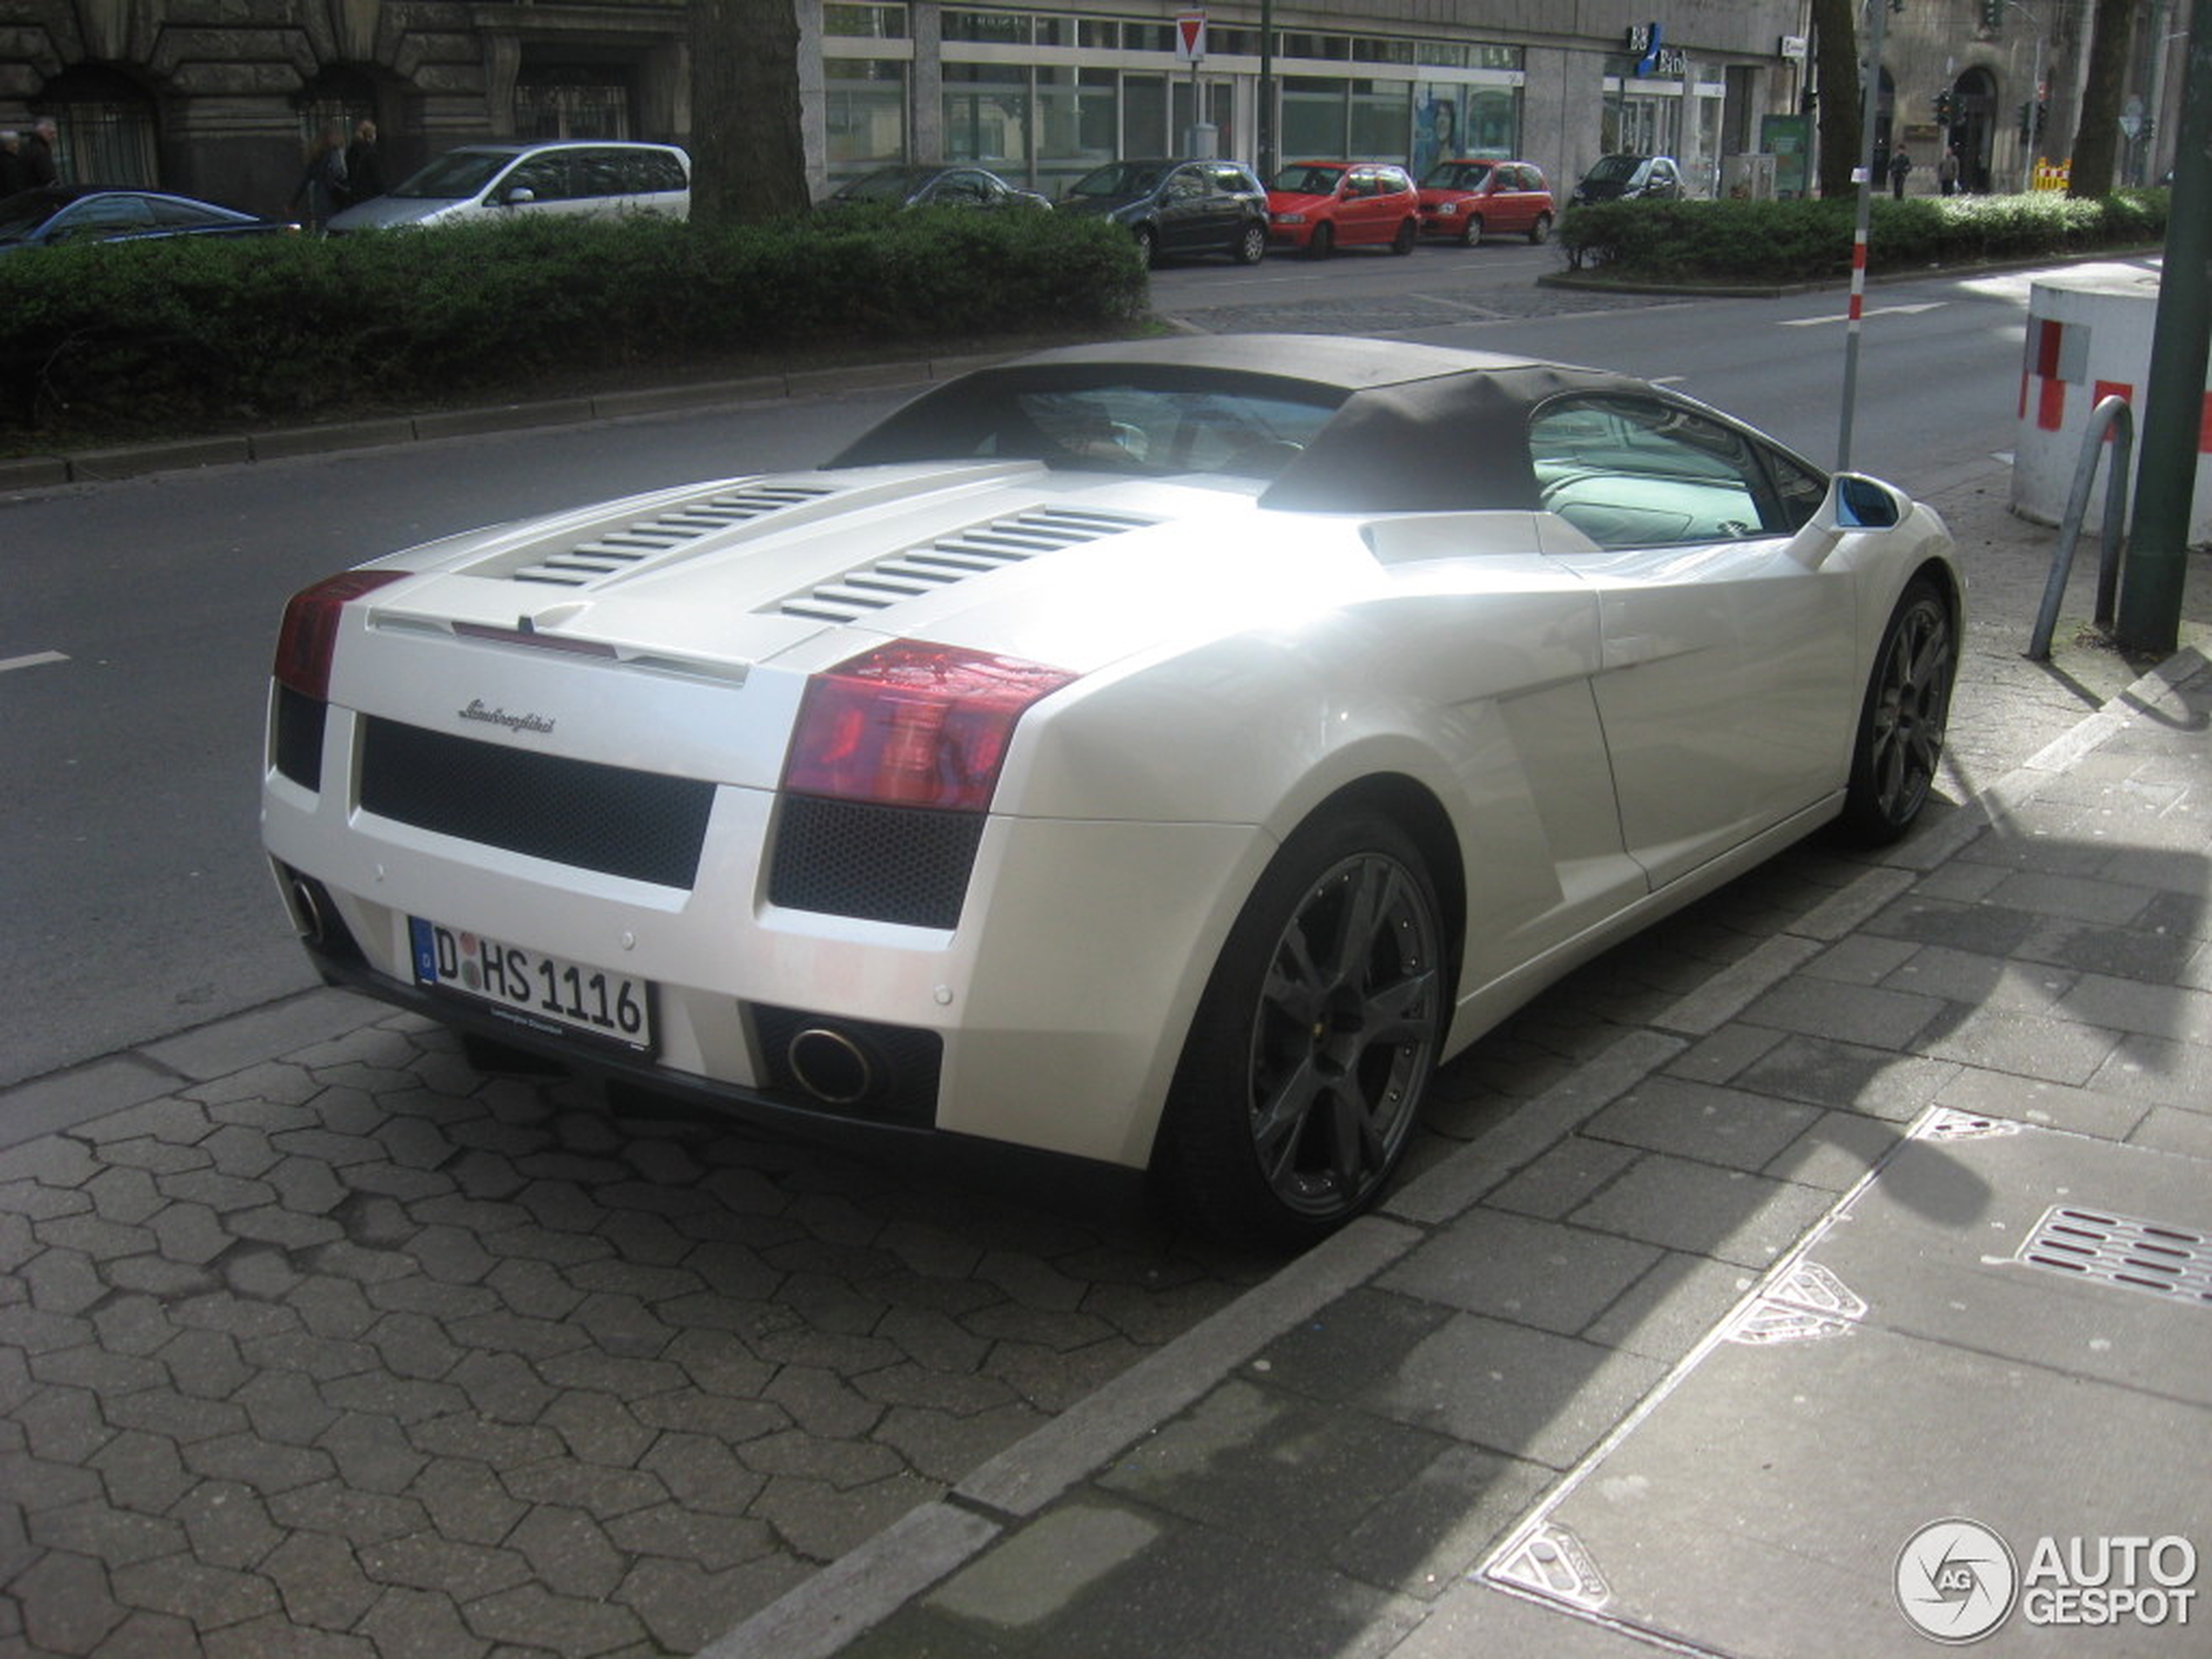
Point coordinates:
[(1541, 231), (1408, 233), (1251, 245), (1315, 1040), (1323, 242), (1901, 722), (1471, 231), (1148, 245)]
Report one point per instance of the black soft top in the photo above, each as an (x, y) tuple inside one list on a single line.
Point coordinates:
[(1415, 429)]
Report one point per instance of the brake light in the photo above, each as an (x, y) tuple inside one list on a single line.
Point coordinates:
[(310, 633), (913, 724)]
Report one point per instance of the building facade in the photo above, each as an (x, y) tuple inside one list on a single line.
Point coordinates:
[(215, 97)]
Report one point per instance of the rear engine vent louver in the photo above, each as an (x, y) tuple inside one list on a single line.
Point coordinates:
[(623, 549), (975, 551)]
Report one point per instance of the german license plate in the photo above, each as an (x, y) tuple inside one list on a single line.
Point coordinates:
[(532, 988)]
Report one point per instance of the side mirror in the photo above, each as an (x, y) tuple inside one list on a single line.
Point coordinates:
[(1863, 503), (1854, 502), (521, 195)]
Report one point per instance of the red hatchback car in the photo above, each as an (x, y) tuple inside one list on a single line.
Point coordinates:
[(1468, 199), (1323, 205)]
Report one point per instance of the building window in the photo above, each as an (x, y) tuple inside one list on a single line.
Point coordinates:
[(987, 115), (865, 107), (571, 101), (988, 28), (865, 23), (1078, 119)]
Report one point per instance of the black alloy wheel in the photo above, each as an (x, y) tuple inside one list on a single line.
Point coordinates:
[(1316, 1038), (1323, 242), (1902, 722), (1408, 233), (1541, 230), (1148, 245)]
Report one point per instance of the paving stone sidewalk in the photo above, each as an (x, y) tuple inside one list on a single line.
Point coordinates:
[(1356, 1458)]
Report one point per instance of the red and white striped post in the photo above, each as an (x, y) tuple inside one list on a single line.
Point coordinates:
[(1866, 182)]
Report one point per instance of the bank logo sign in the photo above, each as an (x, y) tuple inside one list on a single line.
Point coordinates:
[(1958, 1581)]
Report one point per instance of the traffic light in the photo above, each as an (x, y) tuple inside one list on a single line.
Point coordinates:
[(1992, 15), (1944, 108)]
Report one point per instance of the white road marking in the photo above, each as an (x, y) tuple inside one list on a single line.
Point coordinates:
[(36, 659), (1877, 311)]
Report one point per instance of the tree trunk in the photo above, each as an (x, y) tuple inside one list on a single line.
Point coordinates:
[(1836, 74), (748, 160), (2096, 140)]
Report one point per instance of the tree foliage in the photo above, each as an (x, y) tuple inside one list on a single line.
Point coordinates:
[(748, 160)]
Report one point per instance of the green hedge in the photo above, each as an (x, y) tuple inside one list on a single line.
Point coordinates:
[(1763, 242), (185, 335)]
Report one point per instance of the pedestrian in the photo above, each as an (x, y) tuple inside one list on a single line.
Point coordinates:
[(322, 185), (39, 160), (1900, 165), (364, 166), (1947, 171), (15, 172)]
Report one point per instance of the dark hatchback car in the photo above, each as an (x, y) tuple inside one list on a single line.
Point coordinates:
[(1629, 179), (52, 215), (924, 186), (1177, 209)]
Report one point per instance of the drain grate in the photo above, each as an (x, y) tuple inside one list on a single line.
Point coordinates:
[(2137, 1254)]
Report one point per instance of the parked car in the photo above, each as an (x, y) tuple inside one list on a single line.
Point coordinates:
[(927, 186), (484, 181), (1629, 179), (1466, 199), (51, 215), (1319, 207), (1162, 753), (1178, 209)]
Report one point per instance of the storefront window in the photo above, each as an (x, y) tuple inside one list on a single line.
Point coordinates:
[(1381, 119), (1492, 122), (1077, 120), (987, 115), (1313, 117), (865, 107)]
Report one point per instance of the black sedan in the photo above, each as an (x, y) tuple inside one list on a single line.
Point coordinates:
[(53, 214), (925, 187)]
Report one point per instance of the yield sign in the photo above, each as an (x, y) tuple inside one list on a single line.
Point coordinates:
[(1190, 36)]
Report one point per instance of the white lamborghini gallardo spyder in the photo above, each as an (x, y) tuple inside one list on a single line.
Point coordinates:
[(1162, 754)]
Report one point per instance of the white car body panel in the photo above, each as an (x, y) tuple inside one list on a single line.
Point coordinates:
[(1605, 734)]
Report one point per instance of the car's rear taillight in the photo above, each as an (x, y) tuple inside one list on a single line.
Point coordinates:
[(913, 724), (310, 633)]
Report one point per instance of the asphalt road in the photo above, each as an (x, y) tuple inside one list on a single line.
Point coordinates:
[(139, 615)]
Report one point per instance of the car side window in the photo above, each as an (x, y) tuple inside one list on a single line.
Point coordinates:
[(102, 216), (600, 172), (654, 169), (1186, 183), (1632, 471), (545, 177), (1800, 489)]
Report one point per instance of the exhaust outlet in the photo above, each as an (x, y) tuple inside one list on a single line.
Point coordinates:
[(831, 1066), (306, 911)]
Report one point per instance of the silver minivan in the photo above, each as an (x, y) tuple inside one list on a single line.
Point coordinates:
[(485, 181)]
